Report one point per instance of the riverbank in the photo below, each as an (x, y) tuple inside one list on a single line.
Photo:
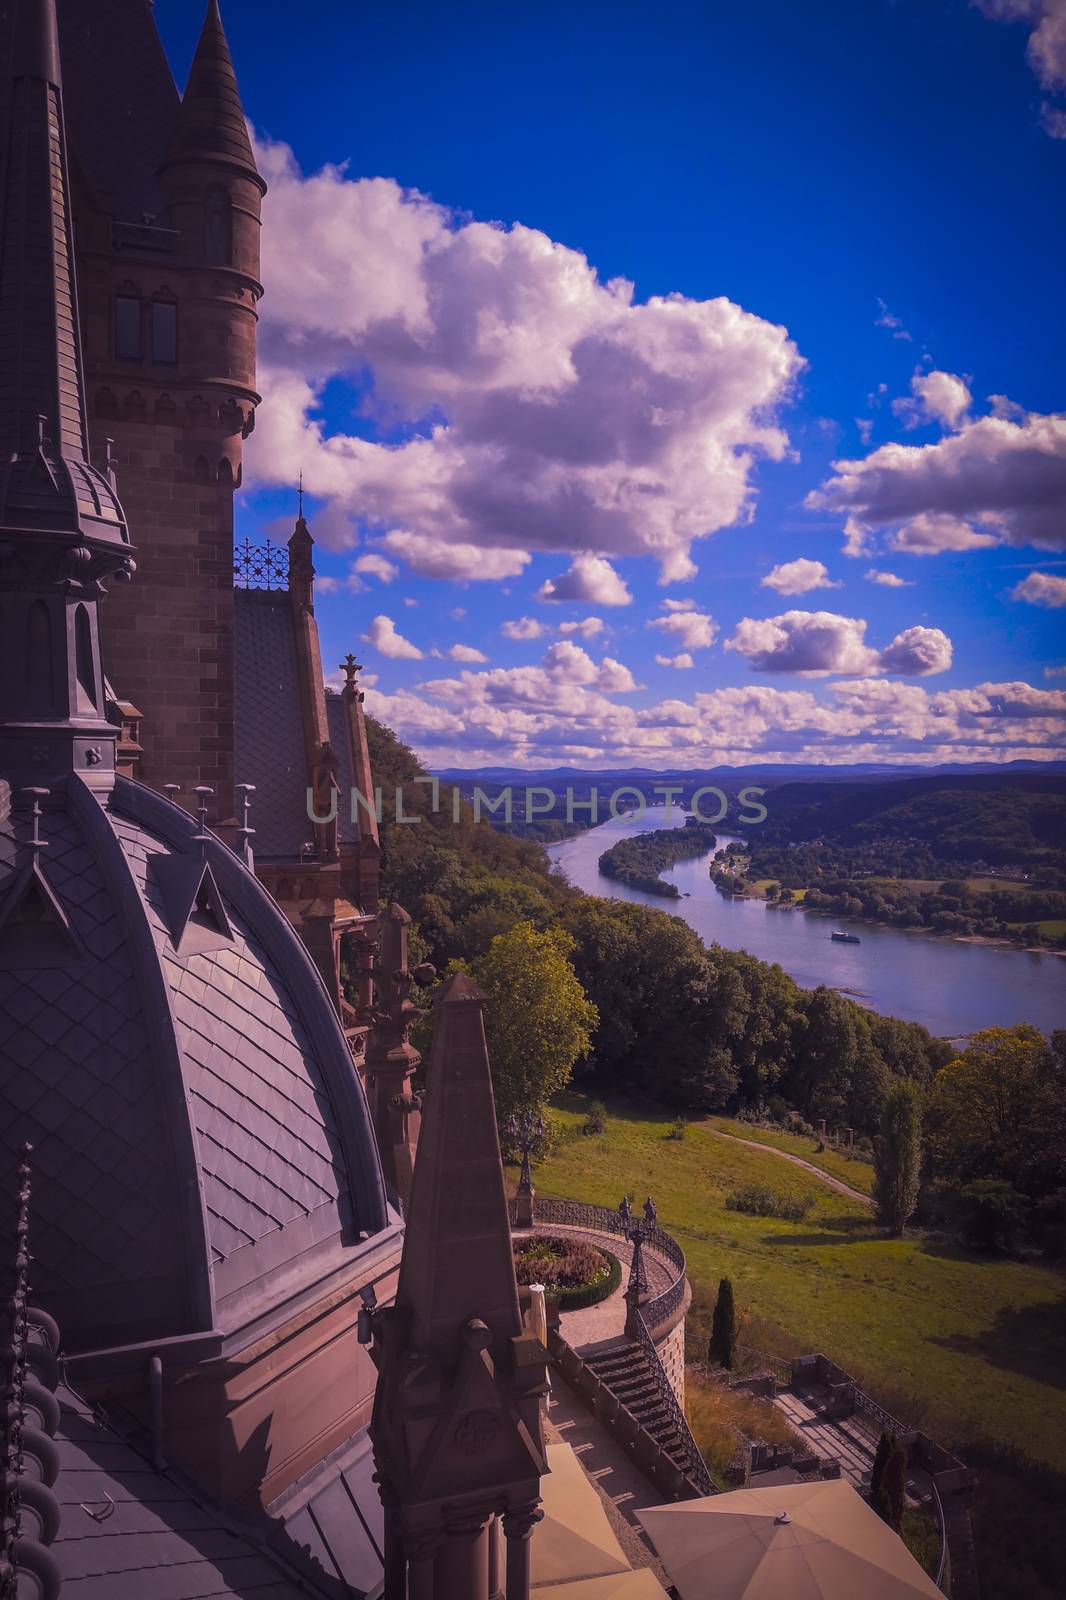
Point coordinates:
[(952, 986), (988, 941)]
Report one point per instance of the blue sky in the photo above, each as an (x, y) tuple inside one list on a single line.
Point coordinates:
[(857, 210)]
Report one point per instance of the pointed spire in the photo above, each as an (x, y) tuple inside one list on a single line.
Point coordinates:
[(211, 124), (46, 480), (457, 1254)]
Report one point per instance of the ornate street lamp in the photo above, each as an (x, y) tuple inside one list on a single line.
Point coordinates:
[(637, 1230), (526, 1130)]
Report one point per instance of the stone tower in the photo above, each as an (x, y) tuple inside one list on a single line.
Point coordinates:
[(167, 230)]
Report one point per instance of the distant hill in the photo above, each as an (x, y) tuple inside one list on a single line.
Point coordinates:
[(996, 818)]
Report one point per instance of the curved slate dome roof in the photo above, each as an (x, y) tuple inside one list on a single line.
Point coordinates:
[(203, 1148)]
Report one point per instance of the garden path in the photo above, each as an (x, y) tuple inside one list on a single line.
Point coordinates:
[(797, 1161)]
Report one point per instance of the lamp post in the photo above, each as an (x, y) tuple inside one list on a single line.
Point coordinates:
[(637, 1230), (525, 1129)]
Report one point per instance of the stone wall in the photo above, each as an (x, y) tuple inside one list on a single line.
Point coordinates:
[(672, 1355)]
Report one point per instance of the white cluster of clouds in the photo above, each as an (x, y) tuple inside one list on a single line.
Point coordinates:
[(525, 404), (799, 577), (995, 479), (686, 625), (543, 715), (1046, 48), (816, 643), (1041, 589)]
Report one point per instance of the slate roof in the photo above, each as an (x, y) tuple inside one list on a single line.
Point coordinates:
[(121, 101), (203, 1148), (159, 1540), (268, 736), (331, 1522)]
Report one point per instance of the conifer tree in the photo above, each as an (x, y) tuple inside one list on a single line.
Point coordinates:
[(721, 1348), (898, 1156)]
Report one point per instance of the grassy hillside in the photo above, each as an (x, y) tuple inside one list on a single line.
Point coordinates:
[(859, 1174), (968, 1346)]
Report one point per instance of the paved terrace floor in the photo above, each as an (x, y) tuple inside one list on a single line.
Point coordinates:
[(850, 1440), (600, 1324)]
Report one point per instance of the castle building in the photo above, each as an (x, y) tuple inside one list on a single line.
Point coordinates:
[(213, 685), (210, 1217), (166, 201)]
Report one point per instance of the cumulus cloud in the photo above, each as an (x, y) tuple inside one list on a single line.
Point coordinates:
[(887, 580), (1041, 589), (1046, 49), (588, 578), (377, 566), (434, 557), (935, 397), (1055, 672), (465, 652), (522, 628), (588, 628), (799, 576), (682, 661), (1004, 473), (528, 404), (930, 532), (528, 716), (383, 636), (816, 643), (566, 662), (695, 630)]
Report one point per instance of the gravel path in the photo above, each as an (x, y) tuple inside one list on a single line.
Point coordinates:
[(797, 1161)]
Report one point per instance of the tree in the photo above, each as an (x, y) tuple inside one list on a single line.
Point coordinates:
[(898, 1156), (998, 1111), (538, 1020), (722, 1345), (888, 1480)]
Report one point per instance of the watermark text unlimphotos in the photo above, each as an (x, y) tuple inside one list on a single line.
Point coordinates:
[(708, 804)]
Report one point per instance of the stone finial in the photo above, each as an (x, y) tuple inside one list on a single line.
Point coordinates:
[(350, 666), (245, 833), (203, 793)]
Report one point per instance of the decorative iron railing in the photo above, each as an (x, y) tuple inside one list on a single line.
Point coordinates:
[(693, 1464), (601, 1219), (260, 566)]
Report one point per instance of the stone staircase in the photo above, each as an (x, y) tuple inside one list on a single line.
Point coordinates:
[(626, 1370)]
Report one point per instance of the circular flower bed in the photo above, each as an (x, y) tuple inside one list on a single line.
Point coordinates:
[(574, 1273)]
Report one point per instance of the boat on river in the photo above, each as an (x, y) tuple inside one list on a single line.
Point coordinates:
[(845, 938)]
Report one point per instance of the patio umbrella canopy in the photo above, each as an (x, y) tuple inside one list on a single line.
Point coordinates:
[(575, 1539), (800, 1541), (641, 1585)]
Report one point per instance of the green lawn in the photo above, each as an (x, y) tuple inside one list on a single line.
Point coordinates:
[(978, 1345), (859, 1174)]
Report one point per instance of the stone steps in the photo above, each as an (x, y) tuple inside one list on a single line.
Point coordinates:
[(626, 1371)]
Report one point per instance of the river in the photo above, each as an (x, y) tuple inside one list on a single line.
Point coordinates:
[(950, 987)]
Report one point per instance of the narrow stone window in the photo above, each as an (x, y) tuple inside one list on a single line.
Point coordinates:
[(127, 328), (83, 660), (164, 331)]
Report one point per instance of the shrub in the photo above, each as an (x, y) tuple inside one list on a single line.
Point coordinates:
[(677, 1128), (595, 1118), (722, 1345), (574, 1273), (757, 1201)]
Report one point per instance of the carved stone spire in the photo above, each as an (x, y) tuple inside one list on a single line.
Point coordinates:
[(457, 1425), (211, 125), (62, 531), (46, 480)]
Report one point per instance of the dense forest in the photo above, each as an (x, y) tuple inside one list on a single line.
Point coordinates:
[(966, 856), (639, 861)]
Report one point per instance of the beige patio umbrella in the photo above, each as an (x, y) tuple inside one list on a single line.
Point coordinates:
[(575, 1539), (639, 1585), (803, 1541)]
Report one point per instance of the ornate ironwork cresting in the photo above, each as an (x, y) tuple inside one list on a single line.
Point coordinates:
[(526, 1130), (260, 566)]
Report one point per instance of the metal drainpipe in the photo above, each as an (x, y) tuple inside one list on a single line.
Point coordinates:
[(155, 1388)]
